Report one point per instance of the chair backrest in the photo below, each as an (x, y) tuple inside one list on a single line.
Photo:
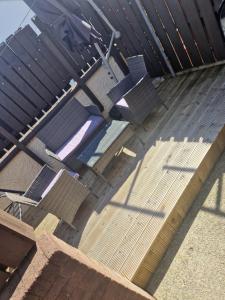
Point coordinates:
[(65, 197), (118, 91), (62, 126), (40, 183), (137, 67)]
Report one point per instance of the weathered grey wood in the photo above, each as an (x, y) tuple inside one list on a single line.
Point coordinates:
[(152, 14), (187, 37), (54, 82), (32, 64), (11, 121), (77, 57), (116, 17), (37, 40), (21, 85), (198, 31), (26, 74), (172, 32), (148, 35), (15, 110), (93, 18), (17, 97), (30, 44), (212, 28), (216, 4), (137, 25)]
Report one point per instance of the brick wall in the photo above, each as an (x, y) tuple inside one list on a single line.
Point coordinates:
[(58, 271)]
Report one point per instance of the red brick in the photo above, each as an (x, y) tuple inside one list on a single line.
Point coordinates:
[(17, 239), (60, 272)]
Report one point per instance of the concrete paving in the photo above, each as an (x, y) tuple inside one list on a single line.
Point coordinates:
[(194, 265)]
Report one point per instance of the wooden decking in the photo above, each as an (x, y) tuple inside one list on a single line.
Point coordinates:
[(156, 178)]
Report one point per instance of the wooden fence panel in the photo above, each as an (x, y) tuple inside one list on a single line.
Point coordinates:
[(25, 73), (32, 63), (172, 32), (30, 80), (10, 121), (148, 45), (184, 31), (197, 29), (188, 31), (17, 97), (15, 110), (30, 43), (34, 69), (20, 84), (161, 33), (212, 28)]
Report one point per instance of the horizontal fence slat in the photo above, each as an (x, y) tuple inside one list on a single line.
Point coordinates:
[(212, 28), (10, 57), (37, 40), (3, 143), (14, 109), (32, 47), (51, 58), (194, 21), (17, 97), (216, 4), (21, 85), (32, 65), (11, 122), (110, 9), (53, 80), (76, 60), (159, 59)]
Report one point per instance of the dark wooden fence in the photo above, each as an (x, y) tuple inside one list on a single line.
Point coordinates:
[(34, 72), (30, 81), (36, 69), (187, 29)]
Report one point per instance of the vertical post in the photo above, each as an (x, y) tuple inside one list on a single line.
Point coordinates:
[(105, 62)]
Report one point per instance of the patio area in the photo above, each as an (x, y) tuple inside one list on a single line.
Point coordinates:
[(153, 180), (112, 118)]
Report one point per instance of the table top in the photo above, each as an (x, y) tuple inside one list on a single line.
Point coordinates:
[(102, 142)]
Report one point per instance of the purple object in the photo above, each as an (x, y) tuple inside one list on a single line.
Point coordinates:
[(81, 136), (122, 103)]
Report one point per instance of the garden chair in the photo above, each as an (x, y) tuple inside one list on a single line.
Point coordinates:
[(58, 193), (134, 97)]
